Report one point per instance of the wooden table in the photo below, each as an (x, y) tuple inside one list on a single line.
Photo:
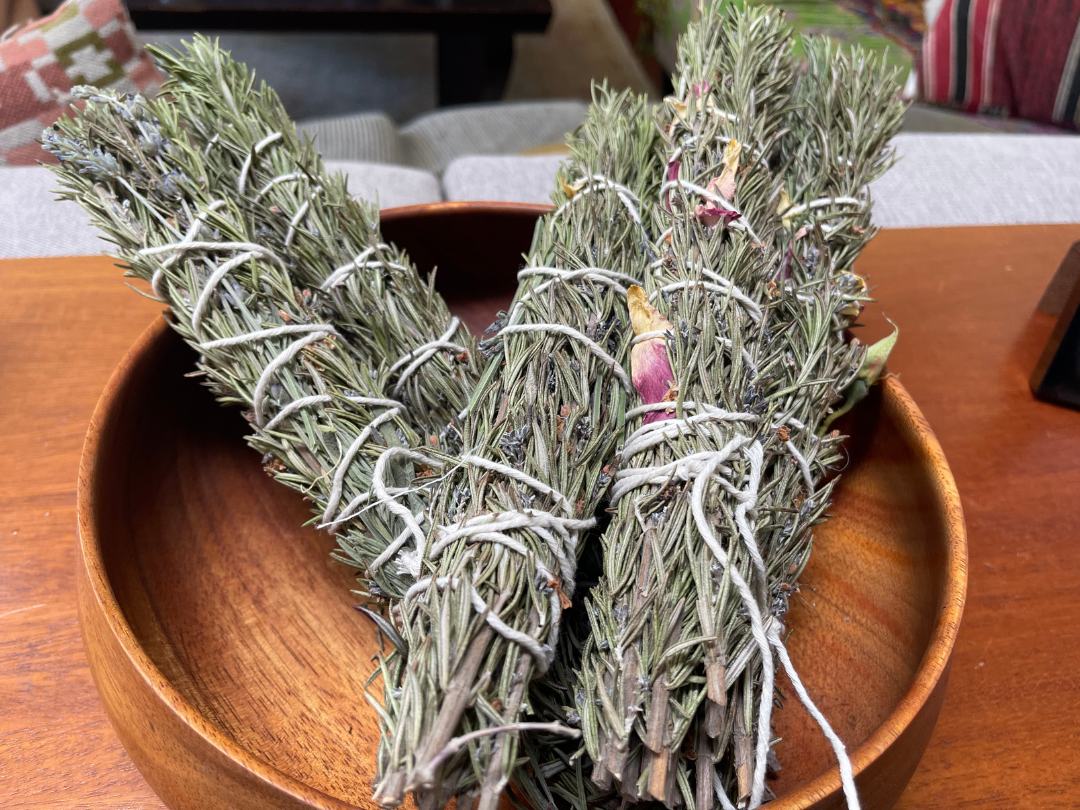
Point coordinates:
[(964, 299), (475, 38)]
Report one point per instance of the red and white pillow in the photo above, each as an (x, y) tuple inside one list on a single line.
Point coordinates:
[(82, 42), (1019, 58)]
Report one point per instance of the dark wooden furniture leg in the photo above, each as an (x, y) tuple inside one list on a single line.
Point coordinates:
[(1056, 377), (473, 66)]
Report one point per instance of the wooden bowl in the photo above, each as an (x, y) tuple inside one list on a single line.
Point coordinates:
[(229, 657)]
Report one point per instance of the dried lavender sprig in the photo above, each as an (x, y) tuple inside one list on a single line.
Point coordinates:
[(369, 289), (317, 410), (499, 555)]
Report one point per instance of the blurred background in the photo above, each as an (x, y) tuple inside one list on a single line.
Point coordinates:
[(421, 100), (403, 58)]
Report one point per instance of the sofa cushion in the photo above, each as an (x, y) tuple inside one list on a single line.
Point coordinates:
[(370, 137), (503, 178), (938, 180), (979, 179), (34, 223), (431, 141)]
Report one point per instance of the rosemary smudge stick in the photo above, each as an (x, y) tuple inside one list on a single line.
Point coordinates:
[(330, 241), (498, 558), (742, 356), (317, 410)]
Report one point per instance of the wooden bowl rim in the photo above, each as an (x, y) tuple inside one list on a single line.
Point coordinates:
[(935, 661), (930, 671)]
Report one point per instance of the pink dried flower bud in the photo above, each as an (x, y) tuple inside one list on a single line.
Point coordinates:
[(650, 368)]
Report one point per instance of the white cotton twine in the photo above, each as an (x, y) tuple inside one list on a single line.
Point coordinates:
[(424, 352), (822, 202), (701, 468), (598, 182), (360, 261), (241, 180), (559, 533)]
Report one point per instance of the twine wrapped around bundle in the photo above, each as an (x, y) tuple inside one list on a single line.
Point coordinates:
[(317, 409), (464, 497), (739, 357), (330, 241), (498, 551)]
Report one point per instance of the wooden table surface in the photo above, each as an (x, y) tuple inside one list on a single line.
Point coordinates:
[(964, 299)]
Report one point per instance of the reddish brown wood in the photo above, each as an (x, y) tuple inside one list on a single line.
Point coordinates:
[(66, 323), (966, 301), (213, 619), (963, 298)]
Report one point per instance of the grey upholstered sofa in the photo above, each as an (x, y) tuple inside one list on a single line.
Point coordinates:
[(462, 154)]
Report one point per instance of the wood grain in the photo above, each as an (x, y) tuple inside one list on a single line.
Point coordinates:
[(65, 324), (964, 298), (229, 658)]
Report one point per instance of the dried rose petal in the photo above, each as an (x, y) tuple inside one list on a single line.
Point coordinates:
[(709, 215), (650, 368), (724, 185)]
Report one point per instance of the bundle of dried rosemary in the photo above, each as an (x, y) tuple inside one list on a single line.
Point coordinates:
[(317, 408), (498, 559), (741, 228), (329, 240), (740, 356)]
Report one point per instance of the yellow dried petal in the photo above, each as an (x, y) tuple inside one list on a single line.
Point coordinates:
[(644, 317), (784, 206), (725, 184)]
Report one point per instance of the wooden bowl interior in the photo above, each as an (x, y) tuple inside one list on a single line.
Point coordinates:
[(245, 616)]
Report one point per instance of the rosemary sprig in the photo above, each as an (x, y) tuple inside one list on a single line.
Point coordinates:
[(369, 289), (498, 566), (846, 110), (317, 409)]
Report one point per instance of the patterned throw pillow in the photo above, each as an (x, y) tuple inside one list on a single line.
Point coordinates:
[(856, 22), (82, 42), (900, 20), (1019, 58)]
